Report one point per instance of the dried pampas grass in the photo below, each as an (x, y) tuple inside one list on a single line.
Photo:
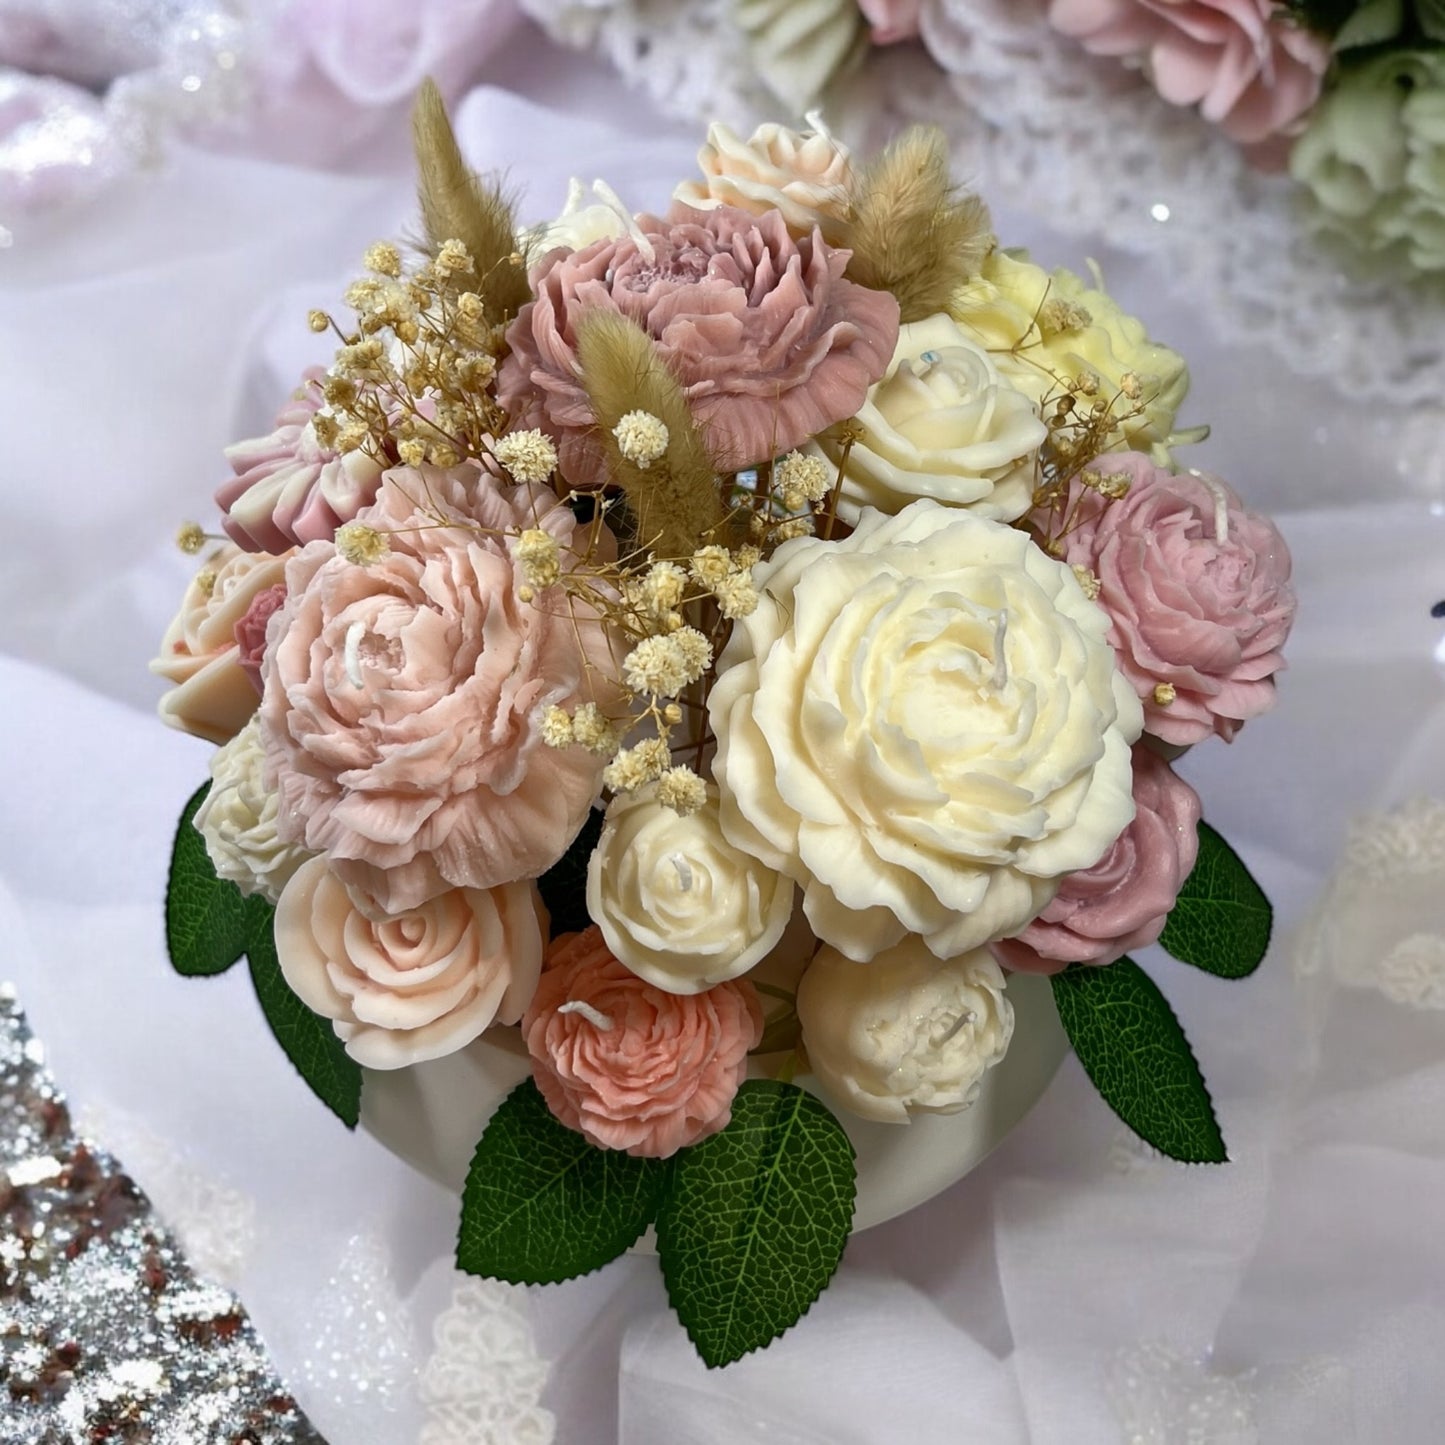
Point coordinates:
[(675, 500), (912, 231), (459, 205)]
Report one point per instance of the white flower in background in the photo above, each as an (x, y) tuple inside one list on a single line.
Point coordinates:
[(238, 820), (676, 902), (799, 46), (582, 221), (942, 423), (924, 726), (905, 1033), (1044, 329), (1374, 154), (805, 176)]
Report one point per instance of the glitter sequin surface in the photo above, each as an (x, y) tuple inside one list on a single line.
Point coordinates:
[(106, 1334)]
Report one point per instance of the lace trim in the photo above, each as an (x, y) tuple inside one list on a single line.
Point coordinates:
[(483, 1384), (1373, 925), (1088, 146)]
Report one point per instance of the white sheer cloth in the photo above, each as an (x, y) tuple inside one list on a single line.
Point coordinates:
[(1073, 1290)]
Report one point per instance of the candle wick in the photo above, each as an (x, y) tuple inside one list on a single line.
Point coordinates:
[(957, 1027), (1000, 661), (1221, 506), (593, 1016), (684, 871), (354, 634), (815, 123)]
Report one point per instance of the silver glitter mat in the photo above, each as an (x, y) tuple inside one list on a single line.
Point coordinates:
[(107, 1337)]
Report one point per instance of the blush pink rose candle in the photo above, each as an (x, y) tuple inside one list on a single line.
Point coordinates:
[(1249, 68), (769, 341), (629, 1066), (1197, 590), (1122, 902), (400, 703)]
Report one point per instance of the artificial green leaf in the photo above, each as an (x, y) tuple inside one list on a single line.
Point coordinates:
[(1327, 16), (207, 918), (1132, 1048), (1431, 15), (542, 1204), (308, 1040), (1221, 920), (1373, 23), (564, 885), (755, 1219)]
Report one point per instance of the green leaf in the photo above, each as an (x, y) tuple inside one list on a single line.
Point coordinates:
[(308, 1040), (1221, 921), (564, 885), (1132, 1048), (207, 918), (1431, 15), (1373, 23), (542, 1204), (755, 1220)]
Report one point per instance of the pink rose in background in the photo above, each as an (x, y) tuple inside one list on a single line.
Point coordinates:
[(211, 694), (289, 489), (251, 631), (769, 341), (400, 698), (414, 985), (891, 20), (1198, 591), (629, 1066), (1120, 903), (1244, 63)]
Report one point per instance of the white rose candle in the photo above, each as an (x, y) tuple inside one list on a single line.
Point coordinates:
[(677, 903)]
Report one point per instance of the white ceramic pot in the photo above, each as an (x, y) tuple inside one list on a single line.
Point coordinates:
[(432, 1114)]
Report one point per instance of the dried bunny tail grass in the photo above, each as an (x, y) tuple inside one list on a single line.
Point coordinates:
[(459, 205), (911, 230), (675, 499)]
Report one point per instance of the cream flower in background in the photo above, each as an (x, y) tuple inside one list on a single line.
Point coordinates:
[(800, 46), (923, 725), (807, 177), (238, 820), (582, 221), (904, 1033), (942, 423), (413, 985), (1044, 329), (676, 902), (211, 695), (1374, 155)]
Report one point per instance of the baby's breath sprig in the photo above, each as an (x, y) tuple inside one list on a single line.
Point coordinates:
[(412, 379)]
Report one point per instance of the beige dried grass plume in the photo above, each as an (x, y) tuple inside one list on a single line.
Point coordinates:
[(675, 500), (457, 204), (912, 231)]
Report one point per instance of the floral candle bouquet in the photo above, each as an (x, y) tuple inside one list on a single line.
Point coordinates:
[(718, 650), (1347, 95)]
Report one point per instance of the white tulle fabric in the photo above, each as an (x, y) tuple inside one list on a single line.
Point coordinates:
[(93, 90), (1074, 1290), (1086, 143)]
